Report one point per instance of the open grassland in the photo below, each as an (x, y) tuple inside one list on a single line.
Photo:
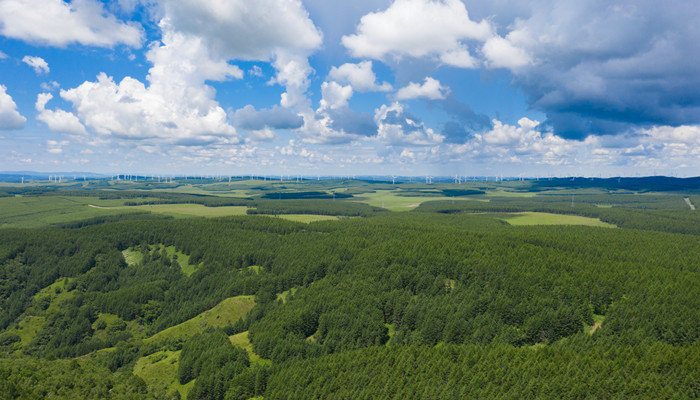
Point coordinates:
[(159, 371), (41, 211), (508, 193), (393, 199), (187, 210), (241, 340), (225, 313), (537, 218)]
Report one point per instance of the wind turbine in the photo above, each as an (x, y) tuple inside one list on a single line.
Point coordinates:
[(393, 180)]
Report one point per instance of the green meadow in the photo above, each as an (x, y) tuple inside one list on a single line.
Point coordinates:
[(539, 218), (225, 313)]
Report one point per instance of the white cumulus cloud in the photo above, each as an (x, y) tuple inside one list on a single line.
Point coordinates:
[(266, 30), (360, 76), (10, 118), (177, 106), (39, 64), (335, 95), (429, 89), (57, 120), (502, 53), (60, 23), (418, 28)]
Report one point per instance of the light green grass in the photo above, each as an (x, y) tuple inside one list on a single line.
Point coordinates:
[(29, 325), (256, 268), (182, 259), (27, 328), (285, 295), (307, 218), (159, 371), (597, 323), (535, 218), (41, 211), (391, 200), (187, 210), (225, 313), (132, 257), (506, 193), (241, 340), (391, 332)]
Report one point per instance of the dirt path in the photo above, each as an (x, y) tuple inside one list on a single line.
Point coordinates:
[(94, 206), (687, 201)]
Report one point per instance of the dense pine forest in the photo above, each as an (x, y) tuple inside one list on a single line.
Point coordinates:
[(350, 290)]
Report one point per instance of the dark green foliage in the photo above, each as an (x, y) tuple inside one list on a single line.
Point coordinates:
[(461, 192), (213, 361), (134, 215), (31, 379), (320, 207), (576, 371)]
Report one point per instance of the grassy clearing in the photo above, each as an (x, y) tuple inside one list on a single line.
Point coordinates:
[(27, 328), (225, 313), (54, 295), (159, 371), (182, 259), (535, 218), (256, 268), (241, 340), (134, 257), (285, 295), (506, 193), (187, 210), (42, 211), (391, 200), (597, 323), (391, 332), (307, 218)]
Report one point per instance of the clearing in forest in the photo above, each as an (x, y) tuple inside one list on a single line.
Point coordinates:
[(394, 200), (537, 218), (159, 371), (241, 340), (225, 313), (133, 256), (188, 210)]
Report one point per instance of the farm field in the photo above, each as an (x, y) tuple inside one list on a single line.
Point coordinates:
[(393, 200), (34, 212), (187, 210), (536, 218)]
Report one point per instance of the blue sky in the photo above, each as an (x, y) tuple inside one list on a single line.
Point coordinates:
[(321, 87)]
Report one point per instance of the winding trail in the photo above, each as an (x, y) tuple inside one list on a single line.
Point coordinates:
[(687, 201)]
